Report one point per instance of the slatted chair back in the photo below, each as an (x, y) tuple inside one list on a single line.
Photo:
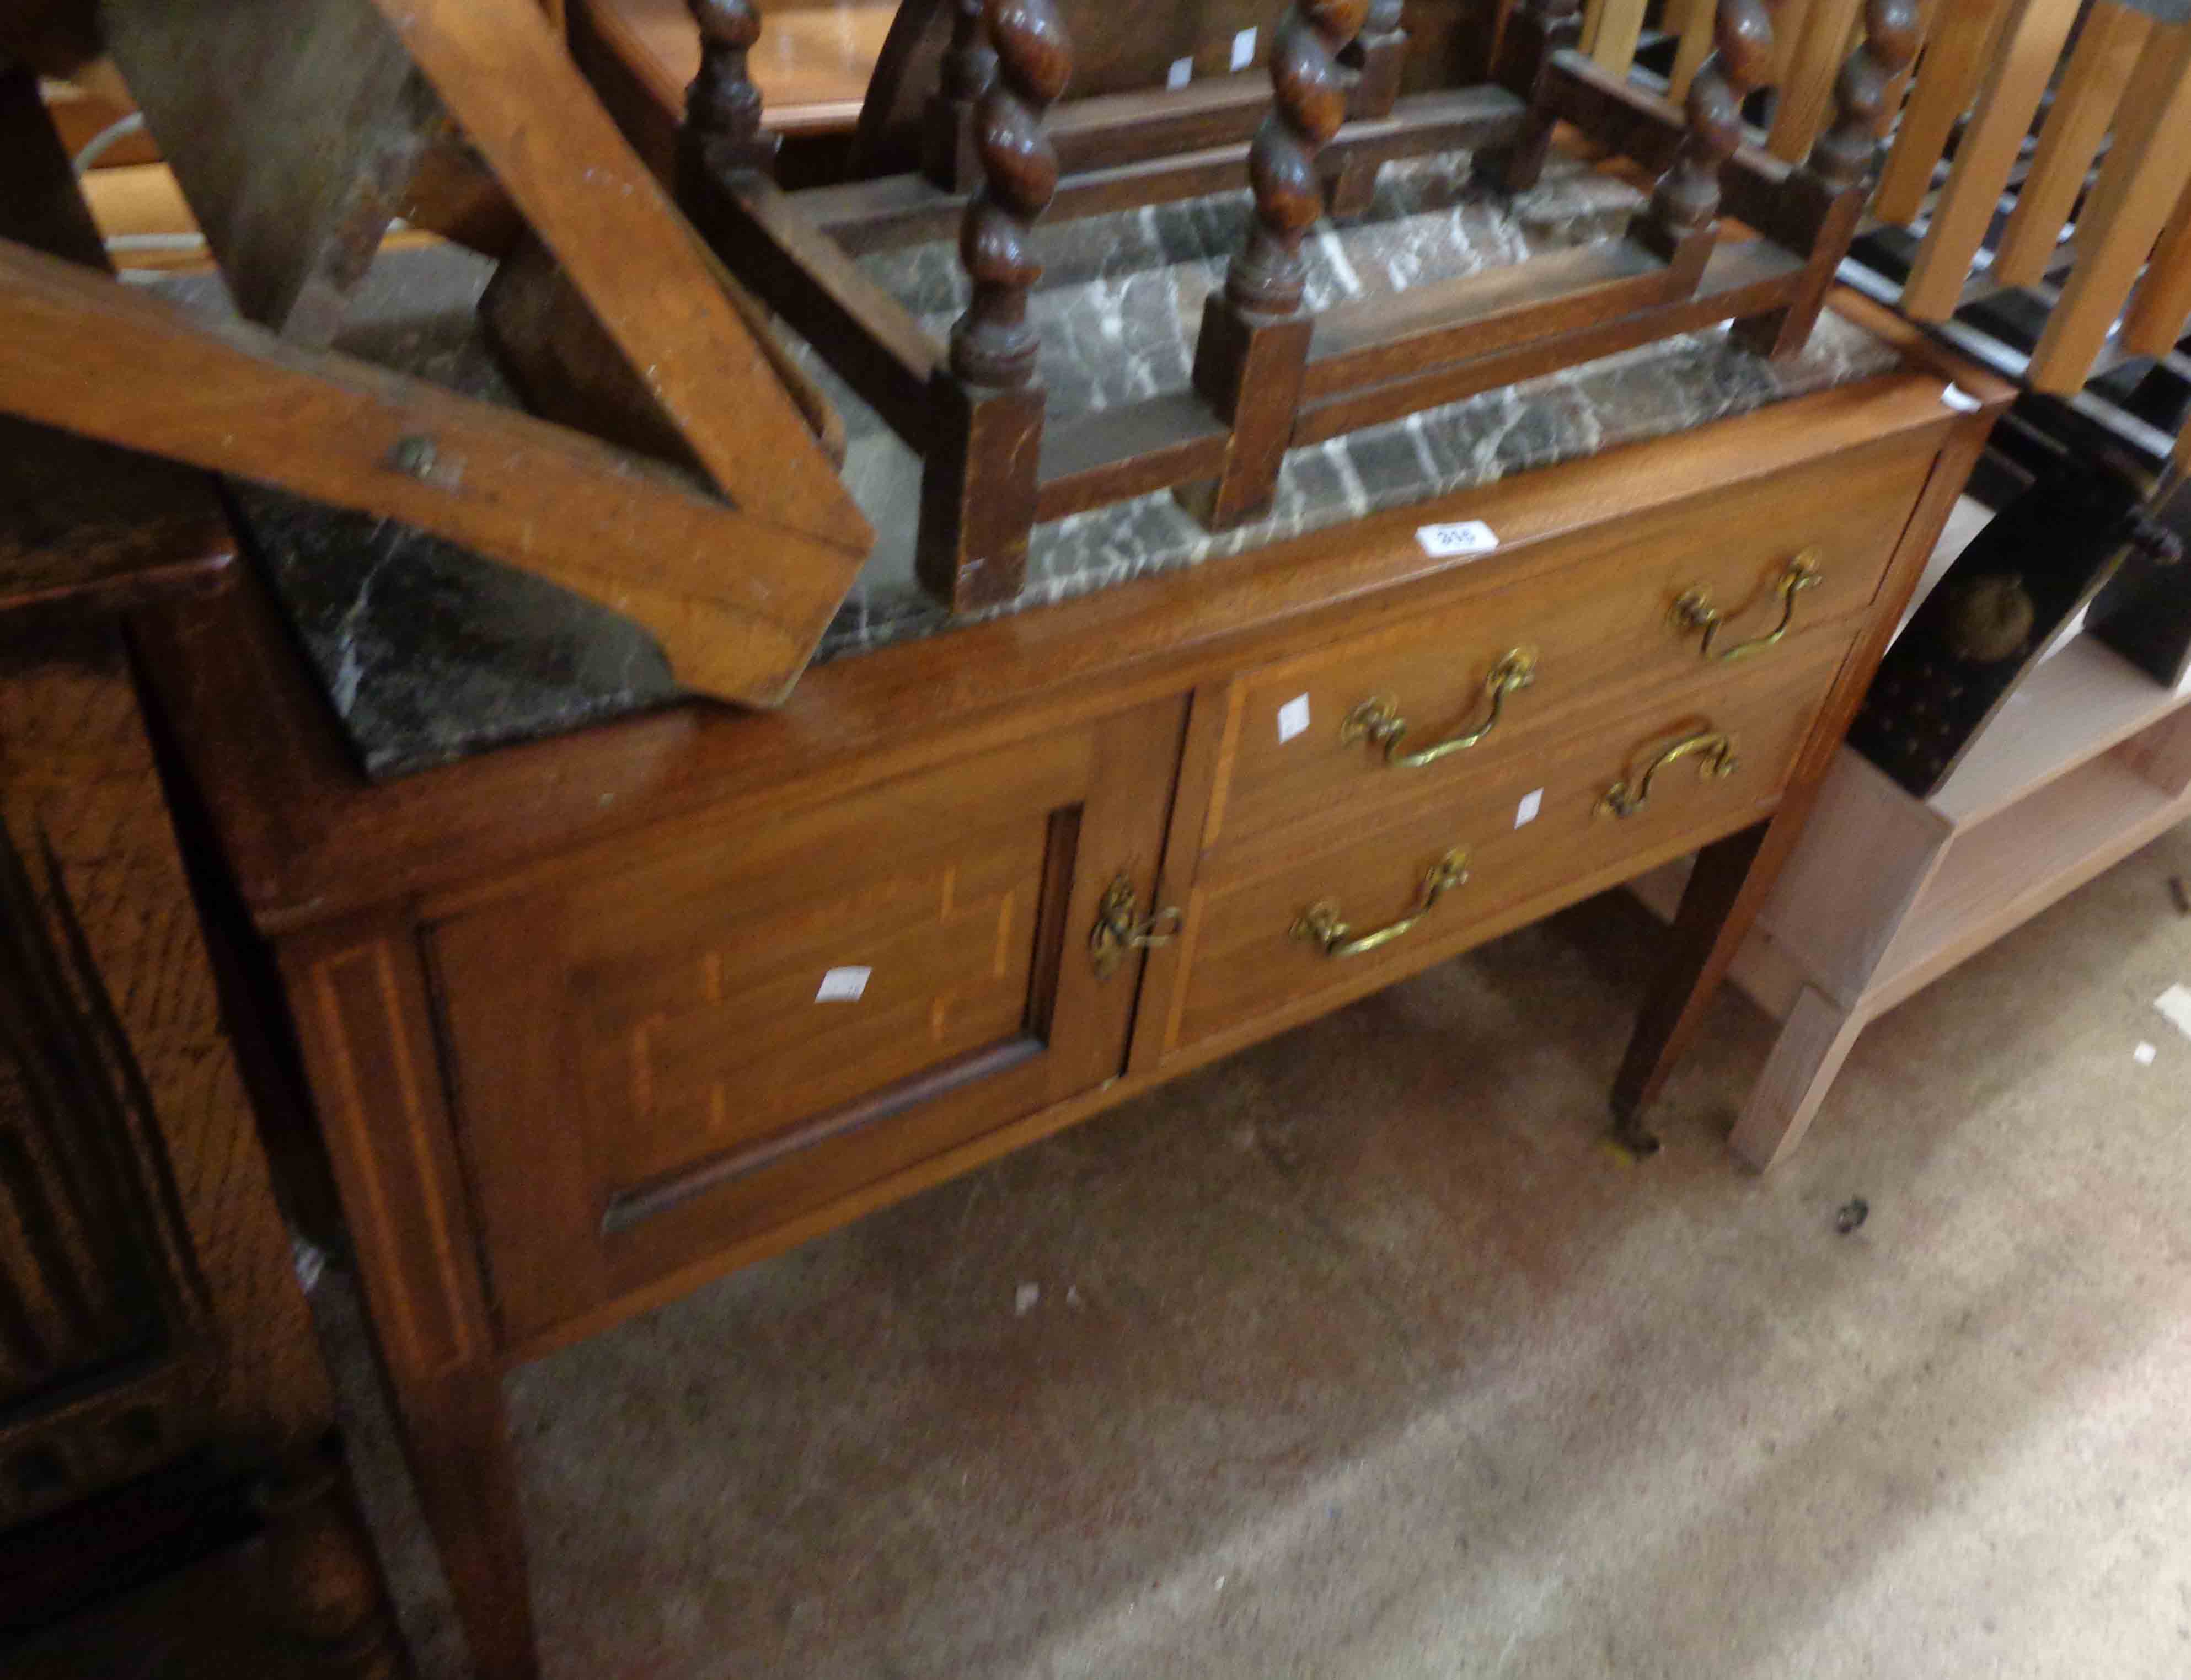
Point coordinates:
[(2040, 143)]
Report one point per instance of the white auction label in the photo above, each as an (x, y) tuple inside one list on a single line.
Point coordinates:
[(1526, 813), (1180, 73), (2175, 1003), (843, 985), (1960, 399), (1244, 49), (1467, 536), (1293, 718)]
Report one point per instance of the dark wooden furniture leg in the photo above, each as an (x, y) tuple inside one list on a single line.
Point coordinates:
[(948, 155), (1725, 894), (360, 1000)]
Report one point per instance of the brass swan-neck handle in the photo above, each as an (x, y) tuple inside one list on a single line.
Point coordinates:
[(1713, 749), (1320, 925), (1694, 611), (1378, 718)]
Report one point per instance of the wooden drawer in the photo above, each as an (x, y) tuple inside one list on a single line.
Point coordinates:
[(731, 1024), (1534, 832), (1600, 621)]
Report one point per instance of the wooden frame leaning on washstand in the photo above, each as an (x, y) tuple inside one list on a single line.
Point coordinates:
[(1268, 376), (619, 326)]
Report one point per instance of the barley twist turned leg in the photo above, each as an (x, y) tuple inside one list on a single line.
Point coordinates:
[(1683, 216), (723, 107), (978, 492), (1828, 192)]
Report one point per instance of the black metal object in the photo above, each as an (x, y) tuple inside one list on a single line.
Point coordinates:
[(2047, 554)]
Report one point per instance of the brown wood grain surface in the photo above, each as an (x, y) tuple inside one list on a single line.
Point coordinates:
[(81, 523), (1602, 623), (2108, 47), (91, 356), (947, 814), (968, 893), (500, 68), (1246, 961), (80, 797), (292, 127), (297, 818)]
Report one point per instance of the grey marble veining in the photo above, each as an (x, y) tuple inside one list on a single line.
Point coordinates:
[(430, 653)]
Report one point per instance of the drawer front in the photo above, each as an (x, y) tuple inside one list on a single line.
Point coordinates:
[(1314, 734), (726, 1029), (1278, 925)]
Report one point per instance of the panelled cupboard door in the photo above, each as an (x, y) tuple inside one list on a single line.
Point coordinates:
[(740, 1018)]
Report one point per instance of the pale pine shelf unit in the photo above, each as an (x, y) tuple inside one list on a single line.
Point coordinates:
[(2088, 761)]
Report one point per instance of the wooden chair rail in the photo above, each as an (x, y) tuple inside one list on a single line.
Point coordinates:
[(1269, 374), (900, 210)]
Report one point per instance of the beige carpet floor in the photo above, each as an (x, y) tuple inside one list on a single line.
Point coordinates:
[(1359, 1358)]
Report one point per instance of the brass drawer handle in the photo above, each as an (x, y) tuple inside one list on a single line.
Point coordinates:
[(1319, 925), (1120, 928), (1694, 610), (1378, 718), (1714, 751)]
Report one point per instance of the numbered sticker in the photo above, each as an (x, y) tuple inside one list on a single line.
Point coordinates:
[(843, 985), (1244, 49), (1180, 73), (1526, 813), (1293, 718), (1467, 537), (1960, 399)]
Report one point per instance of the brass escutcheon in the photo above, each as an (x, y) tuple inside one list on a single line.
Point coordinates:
[(1119, 927)]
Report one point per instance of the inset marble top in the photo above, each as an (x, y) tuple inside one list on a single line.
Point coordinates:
[(428, 653)]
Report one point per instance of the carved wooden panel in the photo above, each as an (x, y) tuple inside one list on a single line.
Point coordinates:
[(748, 1015), (147, 1301), (718, 1035)]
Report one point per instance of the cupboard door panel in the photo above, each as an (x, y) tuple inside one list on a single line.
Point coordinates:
[(731, 1026)]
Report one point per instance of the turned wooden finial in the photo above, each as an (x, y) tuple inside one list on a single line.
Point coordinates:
[(1265, 277), (1686, 200), (992, 344), (723, 107), (970, 62), (1843, 153)]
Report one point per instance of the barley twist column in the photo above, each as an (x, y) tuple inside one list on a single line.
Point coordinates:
[(1824, 199), (991, 344), (1685, 206), (1842, 156), (978, 492), (949, 157), (723, 107), (1265, 277), (1376, 56), (1254, 345)]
